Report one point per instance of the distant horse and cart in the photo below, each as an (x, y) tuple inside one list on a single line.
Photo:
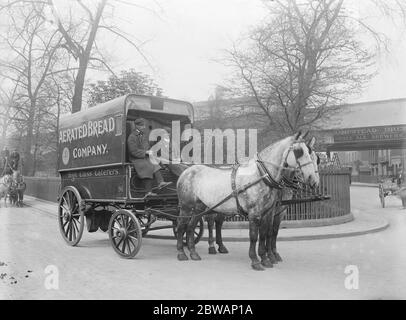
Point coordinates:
[(12, 185), (392, 186), (101, 189)]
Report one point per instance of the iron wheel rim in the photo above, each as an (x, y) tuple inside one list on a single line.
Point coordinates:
[(70, 216), (125, 233)]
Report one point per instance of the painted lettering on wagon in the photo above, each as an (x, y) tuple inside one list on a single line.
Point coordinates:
[(93, 173), (90, 129), (88, 151)]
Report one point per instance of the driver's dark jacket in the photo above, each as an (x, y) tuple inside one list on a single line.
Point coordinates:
[(137, 144)]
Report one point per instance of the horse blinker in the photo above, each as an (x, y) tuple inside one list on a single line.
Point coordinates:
[(298, 153)]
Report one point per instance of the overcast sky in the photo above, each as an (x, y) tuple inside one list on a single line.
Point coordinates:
[(184, 36)]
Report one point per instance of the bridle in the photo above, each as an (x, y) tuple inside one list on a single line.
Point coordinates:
[(285, 182)]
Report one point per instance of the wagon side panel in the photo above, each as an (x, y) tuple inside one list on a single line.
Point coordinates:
[(104, 183)]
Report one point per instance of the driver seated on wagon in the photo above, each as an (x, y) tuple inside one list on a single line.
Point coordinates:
[(138, 147)]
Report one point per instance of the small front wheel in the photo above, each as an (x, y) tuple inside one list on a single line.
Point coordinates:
[(125, 233)]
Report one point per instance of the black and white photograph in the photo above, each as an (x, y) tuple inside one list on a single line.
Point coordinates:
[(199, 150)]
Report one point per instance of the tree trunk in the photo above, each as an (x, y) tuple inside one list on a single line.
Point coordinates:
[(4, 132), (84, 60), (79, 83), (27, 170)]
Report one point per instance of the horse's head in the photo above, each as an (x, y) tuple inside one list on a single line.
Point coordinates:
[(7, 180), (301, 157)]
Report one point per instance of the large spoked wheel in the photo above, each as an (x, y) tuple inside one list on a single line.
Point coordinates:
[(198, 232), (71, 216), (382, 196), (125, 233)]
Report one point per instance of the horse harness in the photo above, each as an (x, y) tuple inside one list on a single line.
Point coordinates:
[(266, 177)]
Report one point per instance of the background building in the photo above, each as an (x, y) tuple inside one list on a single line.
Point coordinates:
[(369, 137)]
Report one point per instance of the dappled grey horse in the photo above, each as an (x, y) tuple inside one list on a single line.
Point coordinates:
[(202, 189), (270, 228)]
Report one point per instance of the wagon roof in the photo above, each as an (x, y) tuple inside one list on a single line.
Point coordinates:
[(129, 102)]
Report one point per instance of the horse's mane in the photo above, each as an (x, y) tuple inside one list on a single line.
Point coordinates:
[(265, 153)]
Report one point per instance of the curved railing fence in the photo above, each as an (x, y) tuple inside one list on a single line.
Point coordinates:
[(333, 182)]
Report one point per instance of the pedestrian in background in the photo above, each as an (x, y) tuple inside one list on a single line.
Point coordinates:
[(5, 155), (14, 159)]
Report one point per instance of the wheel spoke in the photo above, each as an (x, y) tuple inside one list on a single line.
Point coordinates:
[(66, 230), (123, 248), (63, 207), (131, 224), (130, 240), (132, 231), (131, 237), (73, 231), (75, 206), (70, 231), (129, 246), (74, 224), (118, 221), (72, 199), (64, 199), (126, 223), (68, 201), (118, 244)]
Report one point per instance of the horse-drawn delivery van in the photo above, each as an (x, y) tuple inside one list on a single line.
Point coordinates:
[(99, 186)]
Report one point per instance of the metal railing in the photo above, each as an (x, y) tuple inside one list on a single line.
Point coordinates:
[(333, 182)]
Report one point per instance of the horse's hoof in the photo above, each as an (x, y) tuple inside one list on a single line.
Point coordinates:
[(278, 257), (222, 249), (212, 250), (195, 256), (257, 266), (182, 257), (272, 258), (267, 263)]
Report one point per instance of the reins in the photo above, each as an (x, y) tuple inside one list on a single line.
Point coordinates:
[(233, 194), (268, 179)]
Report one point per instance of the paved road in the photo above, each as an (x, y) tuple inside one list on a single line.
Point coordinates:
[(30, 241)]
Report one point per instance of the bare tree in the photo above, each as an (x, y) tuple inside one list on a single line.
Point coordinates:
[(7, 112), (82, 45), (32, 59), (298, 63), (79, 31), (82, 50)]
